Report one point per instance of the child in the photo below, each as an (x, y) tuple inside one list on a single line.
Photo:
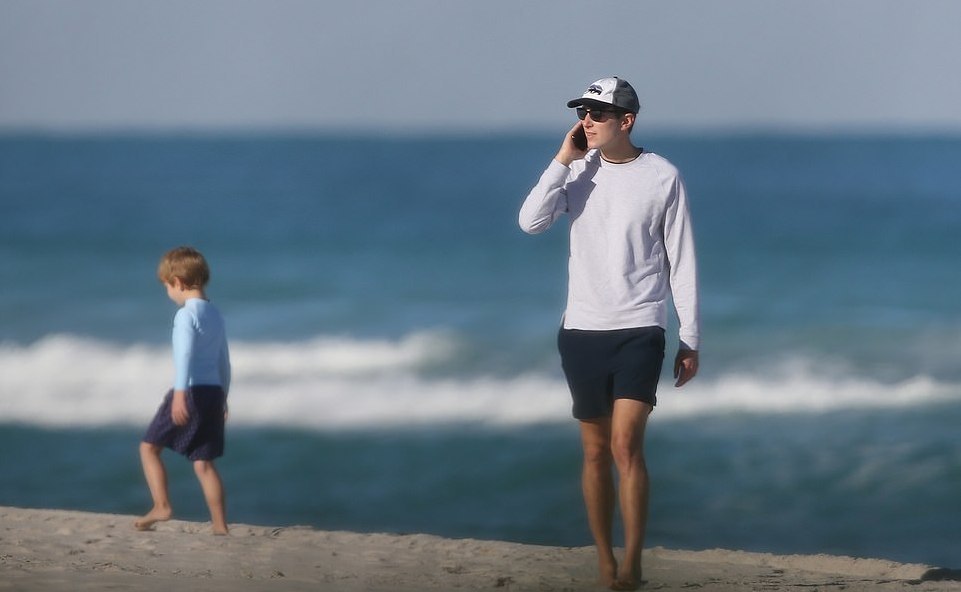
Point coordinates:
[(191, 418)]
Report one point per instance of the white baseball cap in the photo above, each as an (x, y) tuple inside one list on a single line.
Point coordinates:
[(611, 91)]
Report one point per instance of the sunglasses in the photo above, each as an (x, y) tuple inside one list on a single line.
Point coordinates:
[(597, 115)]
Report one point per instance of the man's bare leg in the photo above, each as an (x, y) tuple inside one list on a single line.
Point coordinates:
[(156, 476), (628, 425), (597, 483)]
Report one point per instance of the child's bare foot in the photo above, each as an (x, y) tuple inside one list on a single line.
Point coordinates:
[(152, 517), (221, 530)]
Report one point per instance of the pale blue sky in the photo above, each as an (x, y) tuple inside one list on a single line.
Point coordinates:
[(433, 65)]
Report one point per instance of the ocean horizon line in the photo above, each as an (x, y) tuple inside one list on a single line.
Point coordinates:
[(307, 133)]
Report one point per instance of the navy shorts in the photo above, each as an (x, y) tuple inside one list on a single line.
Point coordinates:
[(601, 366), (203, 436)]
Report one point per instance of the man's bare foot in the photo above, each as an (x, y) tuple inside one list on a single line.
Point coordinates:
[(607, 567), (628, 582), (152, 517)]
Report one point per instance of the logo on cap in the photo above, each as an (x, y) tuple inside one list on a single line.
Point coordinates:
[(595, 89)]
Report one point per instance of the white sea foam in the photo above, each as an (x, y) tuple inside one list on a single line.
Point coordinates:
[(332, 383)]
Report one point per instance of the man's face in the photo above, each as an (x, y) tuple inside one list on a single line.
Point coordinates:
[(602, 125)]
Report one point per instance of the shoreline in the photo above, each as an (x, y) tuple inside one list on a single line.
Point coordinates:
[(73, 550)]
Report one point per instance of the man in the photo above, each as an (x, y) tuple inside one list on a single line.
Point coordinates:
[(631, 252)]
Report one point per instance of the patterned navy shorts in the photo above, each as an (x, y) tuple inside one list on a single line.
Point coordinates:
[(203, 436), (601, 366)]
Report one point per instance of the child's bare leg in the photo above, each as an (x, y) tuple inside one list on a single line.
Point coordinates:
[(213, 489), (156, 475)]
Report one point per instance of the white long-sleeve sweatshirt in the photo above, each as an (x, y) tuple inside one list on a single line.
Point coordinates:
[(631, 242)]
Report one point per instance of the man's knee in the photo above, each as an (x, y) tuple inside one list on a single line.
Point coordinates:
[(627, 450), (597, 455), (627, 432), (596, 442)]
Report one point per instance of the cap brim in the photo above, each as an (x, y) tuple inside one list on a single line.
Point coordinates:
[(588, 103)]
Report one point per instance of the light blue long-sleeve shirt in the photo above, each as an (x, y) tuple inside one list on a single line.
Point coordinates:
[(200, 348)]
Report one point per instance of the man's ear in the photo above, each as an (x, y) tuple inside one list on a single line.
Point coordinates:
[(628, 121)]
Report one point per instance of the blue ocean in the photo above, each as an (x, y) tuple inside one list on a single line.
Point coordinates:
[(393, 336)]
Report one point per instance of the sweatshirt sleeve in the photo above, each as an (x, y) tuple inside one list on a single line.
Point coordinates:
[(546, 202), (184, 336), (679, 241)]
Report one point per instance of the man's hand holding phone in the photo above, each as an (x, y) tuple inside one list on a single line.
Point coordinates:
[(574, 146)]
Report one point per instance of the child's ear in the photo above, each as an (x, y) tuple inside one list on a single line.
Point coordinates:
[(177, 283)]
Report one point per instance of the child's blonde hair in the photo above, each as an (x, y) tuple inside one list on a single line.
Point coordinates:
[(186, 264)]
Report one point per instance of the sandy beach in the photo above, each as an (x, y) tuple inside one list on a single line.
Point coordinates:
[(66, 550)]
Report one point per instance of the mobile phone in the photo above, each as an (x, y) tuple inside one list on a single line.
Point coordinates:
[(580, 139)]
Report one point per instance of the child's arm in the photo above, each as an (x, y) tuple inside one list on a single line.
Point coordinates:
[(225, 368), (183, 347), (225, 374), (178, 408)]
